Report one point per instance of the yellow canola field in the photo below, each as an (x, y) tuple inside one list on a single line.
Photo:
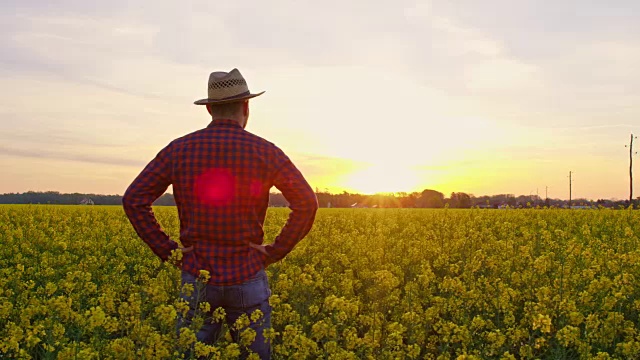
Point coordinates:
[(77, 283)]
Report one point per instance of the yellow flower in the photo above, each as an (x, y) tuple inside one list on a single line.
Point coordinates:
[(320, 330), (204, 350), (166, 314), (13, 337), (507, 356), (568, 335), (175, 257), (540, 343), (219, 315), (97, 317), (205, 307), (247, 336), (467, 357), (182, 307), (242, 322), (204, 276), (187, 337), (270, 334), (187, 289), (542, 322), (50, 288), (122, 348), (231, 351), (256, 315)]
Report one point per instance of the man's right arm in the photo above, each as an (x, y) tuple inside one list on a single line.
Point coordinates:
[(303, 204)]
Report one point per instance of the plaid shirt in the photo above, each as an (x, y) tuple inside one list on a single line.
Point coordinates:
[(221, 177)]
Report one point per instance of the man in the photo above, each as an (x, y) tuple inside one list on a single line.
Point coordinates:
[(221, 177)]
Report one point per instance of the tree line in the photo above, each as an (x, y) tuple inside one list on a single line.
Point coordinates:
[(56, 198), (425, 199), (434, 199)]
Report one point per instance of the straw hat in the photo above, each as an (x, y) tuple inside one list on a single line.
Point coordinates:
[(227, 87)]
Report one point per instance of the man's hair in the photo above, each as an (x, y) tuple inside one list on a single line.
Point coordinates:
[(229, 109)]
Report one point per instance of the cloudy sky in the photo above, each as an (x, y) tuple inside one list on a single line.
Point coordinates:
[(484, 97)]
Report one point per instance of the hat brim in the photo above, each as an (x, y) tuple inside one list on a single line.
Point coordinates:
[(227, 100)]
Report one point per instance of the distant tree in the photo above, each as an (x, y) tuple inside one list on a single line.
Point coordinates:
[(277, 199), (460, 200), (483, 201), (430, 199), (410, 200), (425, 199), (165, 200), (382, 201)]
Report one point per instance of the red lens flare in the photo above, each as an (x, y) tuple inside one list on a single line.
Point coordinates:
[(216, 187)]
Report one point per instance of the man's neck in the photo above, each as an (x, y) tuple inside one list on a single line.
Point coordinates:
[(239, 121)]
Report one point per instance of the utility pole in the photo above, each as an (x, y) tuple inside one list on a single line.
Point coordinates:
[(631, 153), (570, 189), (547, 203)]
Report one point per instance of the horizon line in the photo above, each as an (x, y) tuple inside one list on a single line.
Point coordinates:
[(350, 193)]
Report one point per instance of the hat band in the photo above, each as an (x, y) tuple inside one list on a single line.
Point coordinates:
[(234, 96)]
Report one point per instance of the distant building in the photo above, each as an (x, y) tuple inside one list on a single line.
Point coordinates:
[(358, 206), (87, 201)]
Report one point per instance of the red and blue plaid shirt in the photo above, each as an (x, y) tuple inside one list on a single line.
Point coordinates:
[(221, 178)]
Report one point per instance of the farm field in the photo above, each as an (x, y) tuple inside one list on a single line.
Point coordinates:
[(77, 283)]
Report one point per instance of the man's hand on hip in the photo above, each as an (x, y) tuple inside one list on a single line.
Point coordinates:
[(186, 250), (262, 249)]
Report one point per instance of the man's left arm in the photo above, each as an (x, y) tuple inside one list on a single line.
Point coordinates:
[(152, 182)]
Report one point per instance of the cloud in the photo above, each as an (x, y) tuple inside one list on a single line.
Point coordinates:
[(595, 127), (70, 156), (460, 40)]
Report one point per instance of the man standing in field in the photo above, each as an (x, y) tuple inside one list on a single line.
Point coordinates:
[(221, 177)]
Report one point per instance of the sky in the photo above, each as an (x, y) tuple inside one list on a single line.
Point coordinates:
[(484, 97)]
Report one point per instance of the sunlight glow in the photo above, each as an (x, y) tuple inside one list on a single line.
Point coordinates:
[(383, 178)]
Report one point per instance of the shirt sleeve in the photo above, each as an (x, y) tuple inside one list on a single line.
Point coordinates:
[(152, 182), (303, 204)]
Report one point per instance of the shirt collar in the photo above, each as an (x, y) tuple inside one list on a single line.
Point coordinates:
[(224, 123)]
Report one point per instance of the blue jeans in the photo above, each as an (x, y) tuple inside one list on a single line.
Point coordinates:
[(236, 300)]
